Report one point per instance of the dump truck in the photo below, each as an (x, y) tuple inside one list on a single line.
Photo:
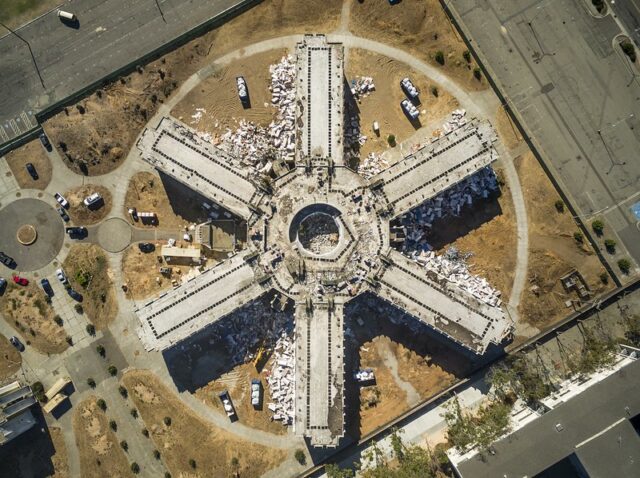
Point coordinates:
[(227, 404), (256, 392)]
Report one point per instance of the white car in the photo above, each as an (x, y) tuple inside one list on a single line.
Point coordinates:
[(90, 200), (61, 200), (62, 277)]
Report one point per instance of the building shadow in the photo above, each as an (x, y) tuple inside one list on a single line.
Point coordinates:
[(352, 128)]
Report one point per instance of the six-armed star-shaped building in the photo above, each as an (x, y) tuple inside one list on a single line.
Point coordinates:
[(320, 236)]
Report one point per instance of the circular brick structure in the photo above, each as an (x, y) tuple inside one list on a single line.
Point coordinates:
[(26, 235)]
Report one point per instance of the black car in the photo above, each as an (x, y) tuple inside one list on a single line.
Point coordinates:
[(45, 142), (3, 285), (46, 286), (74, 295), (7, 261), (16, 343), (31, 169), (63, 214), (77, 232), (146, 247)]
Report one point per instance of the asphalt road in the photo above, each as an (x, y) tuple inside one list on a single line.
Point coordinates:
[(109, 35), (557, 66), (628, 12)]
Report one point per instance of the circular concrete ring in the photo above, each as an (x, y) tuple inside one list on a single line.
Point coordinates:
[(114, 234), (26, 235)]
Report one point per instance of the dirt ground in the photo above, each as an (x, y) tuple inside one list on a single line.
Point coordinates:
[(507, 130), (383, 105), (149, 192), (16, 13), (420, 27), (218, 97), (10, 359), (34, 153), (27, 311), (99, 302), (95, 135), (140, 273), (60, 459), (100, 453), (553, 251), (188, 437), (81, 214), (238, 383), (387, 399)]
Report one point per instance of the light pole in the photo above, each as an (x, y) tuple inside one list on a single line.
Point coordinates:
[(30, 52)]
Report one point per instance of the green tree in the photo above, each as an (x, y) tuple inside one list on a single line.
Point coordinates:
[(113, 425), (135, 468), (123, 391), (112, 370), (434, 91), (628, 49), (167, 421), (610, 245), (91, 330), (597, 226), (439, 57), (192, 463), (101, 351), (578, 237), (102, 405), (624, 265), (391, 139), (91, 382), (467, 56), (477, 73), (559, 206), (124, 445), (300, 456), (334, 471)]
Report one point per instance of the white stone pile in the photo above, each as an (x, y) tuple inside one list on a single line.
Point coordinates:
[(454, 268), (197, 116), (281, 380), (249, 142), (283, 97), (457, 119), (372, 165), (362, 86)]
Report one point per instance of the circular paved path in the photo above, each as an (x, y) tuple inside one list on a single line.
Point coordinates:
[(114, 234), (49, 228)]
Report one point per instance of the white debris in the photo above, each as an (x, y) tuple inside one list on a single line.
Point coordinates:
[(281, 380), (372, 165), (197, 116)]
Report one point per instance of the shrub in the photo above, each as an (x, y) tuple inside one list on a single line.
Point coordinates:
[(102, 405), (167, 421), (439, 57), (578, 237), (58, 320), (434, 91), (91, 382), (167, 474), (192, 463), (38, 391), (477, 73), (597, 226), (101, 351), (604, 277), (628, 49), (300, 456), (135, 468), (145, 432), (134, 413), (112, 370), (113, 425), (69, 340), (559, 206), (467, 56), (78, 308), (599, 4), (156, 454), (391, 139), (624, 265), (123, 391), (124, 445), (610, 245), (91, 330)]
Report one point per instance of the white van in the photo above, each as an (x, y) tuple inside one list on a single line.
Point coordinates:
[(66, 16)]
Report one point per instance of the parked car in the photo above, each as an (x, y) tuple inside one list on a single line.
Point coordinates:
[(62, 277), (74, 295), (45, 141), (77, 232), (63, 214), (46, 286), (61, 200), (146, 247), (20, 280), (7, 261), (92, 200), (16, 343), (31, 169), (3, 285)]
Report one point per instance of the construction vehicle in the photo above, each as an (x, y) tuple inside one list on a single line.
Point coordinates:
[(227, 404), (243, 91), (256, 392), (261, 358)]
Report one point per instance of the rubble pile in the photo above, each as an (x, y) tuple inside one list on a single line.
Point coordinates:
[(197, 116), (362, 86), (281, 380), (250, 142), (457, 119), (416, 223), (453, 266), (372, 165)]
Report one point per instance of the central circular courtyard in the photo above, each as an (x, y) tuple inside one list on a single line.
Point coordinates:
[(316, 229)]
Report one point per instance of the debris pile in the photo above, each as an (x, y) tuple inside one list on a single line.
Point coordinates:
[(197, 116), (452, 265), (372, 165), (281, 380), (362, 86), (457, 119), (249, 142)]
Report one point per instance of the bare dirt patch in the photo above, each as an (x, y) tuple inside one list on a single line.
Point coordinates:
[(383, 105), (507, 130), (60, 460), (100, 453), (17, 13), (188, 437), (420, 27), (27, 311), (238, 383), (553, 251), (213, 105), (33, 153), (10, 359), (81, 214), (88, 271), (147, 192)]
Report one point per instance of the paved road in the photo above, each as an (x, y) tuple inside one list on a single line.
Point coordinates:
[(628, 12), (110, 34), (557, 66)]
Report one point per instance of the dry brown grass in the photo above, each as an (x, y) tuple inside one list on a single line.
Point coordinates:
[(420, 27), (99, 301), (27, 311), (60, 460), (188, 437), (81, 214), (10, 359), (100, 452), (34, 153), (507, 130)]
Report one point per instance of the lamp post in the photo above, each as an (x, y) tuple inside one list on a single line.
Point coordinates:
[(30, 52)]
